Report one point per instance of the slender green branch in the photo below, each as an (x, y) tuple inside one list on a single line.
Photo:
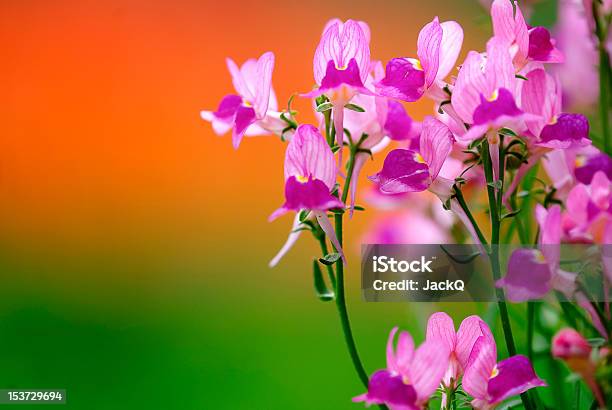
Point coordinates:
[(324, 251), (466, 209)]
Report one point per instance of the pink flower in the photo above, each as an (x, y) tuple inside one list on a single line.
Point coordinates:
[(310, 176), (541, 96), (411, 376), (571, 347), (341, 66), (485, 93), (588, 211), (490, 382), (408, 170), (248, 111), (525, 44), (438, 46), (440, 326)]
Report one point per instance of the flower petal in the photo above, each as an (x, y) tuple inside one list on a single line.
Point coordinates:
[(471, 328), (308, 155), (245, 116), (470, 84), (403, 171), (440, 326), (528, 276), (403, 80), (263, 85), (428, 50), (436, 144), (515, 376), (294, 235), (569, 131), (428, 366), (452, 40), (479, 368)]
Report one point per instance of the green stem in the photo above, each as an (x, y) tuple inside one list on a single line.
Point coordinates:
[(605, 76), (343, 313), (466, 209), (530, 327), (324, 251), (494, 255)]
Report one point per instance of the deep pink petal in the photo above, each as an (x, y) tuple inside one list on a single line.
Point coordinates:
[(428, 50), (436, 144), (398, 123), (403, 80), (228, 106), (528, 276), (501, 106), (312, 194), (386, 388), (515, 376), (568, 131), (403, 171), (245, 116)]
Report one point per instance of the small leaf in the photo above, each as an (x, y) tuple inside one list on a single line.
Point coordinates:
[(354, 107), (508, 131), (324, 107), (521, 77), (321, 289), (495, 184), (330, 258), (358, 208), (337, 211), (510, 214), (335, 148), (303, 215)]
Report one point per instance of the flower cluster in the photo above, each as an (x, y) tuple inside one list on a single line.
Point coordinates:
[(447, 357), (502, 126)]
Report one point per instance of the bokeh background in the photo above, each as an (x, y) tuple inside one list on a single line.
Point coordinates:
[(134, 242)]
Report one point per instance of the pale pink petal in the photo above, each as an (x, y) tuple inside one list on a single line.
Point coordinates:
[(499, 70), (238, 80), (428, 50), (600, 190), (291, 240), (471, 82), (265, 66), (536, 99), (436, 144), (452, 40), (469, 331), (325, 50), (480, 365), (429, 364), (440, 326), (521, 36), (309, 155), (391, 360), (502, 16)]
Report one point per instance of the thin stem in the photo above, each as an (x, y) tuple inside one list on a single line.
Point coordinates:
[(605, 76), (494, 255), (324, 251), (343, 313), (466, 209), (530, 327)]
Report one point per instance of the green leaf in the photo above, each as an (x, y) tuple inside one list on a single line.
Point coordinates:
[(521, 77), (335, 148), (358, 208), (320, 287), (508, 131), (330, 258), (326, 106), (495, 184), (303, 215), (354, 107), (510, 214)]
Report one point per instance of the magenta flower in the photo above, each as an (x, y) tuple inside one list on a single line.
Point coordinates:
[(408, 170), (532, 273), (525, 44), (440, 326), (485, 93), (247, 112), (541, 96), (411, 376), (489, 382), (438, 47), (310, 176)]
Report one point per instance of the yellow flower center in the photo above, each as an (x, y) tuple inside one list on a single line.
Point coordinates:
[(553, 120), (419, 158), (416, 64), (580, 161), (539, 257), (302, 179), (493, 96), (494, 372)]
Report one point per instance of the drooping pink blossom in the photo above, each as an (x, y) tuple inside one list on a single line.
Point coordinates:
[(252, 111), (310, 176), (438, 47), (490, 382), (412, 375), (571, 347)]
